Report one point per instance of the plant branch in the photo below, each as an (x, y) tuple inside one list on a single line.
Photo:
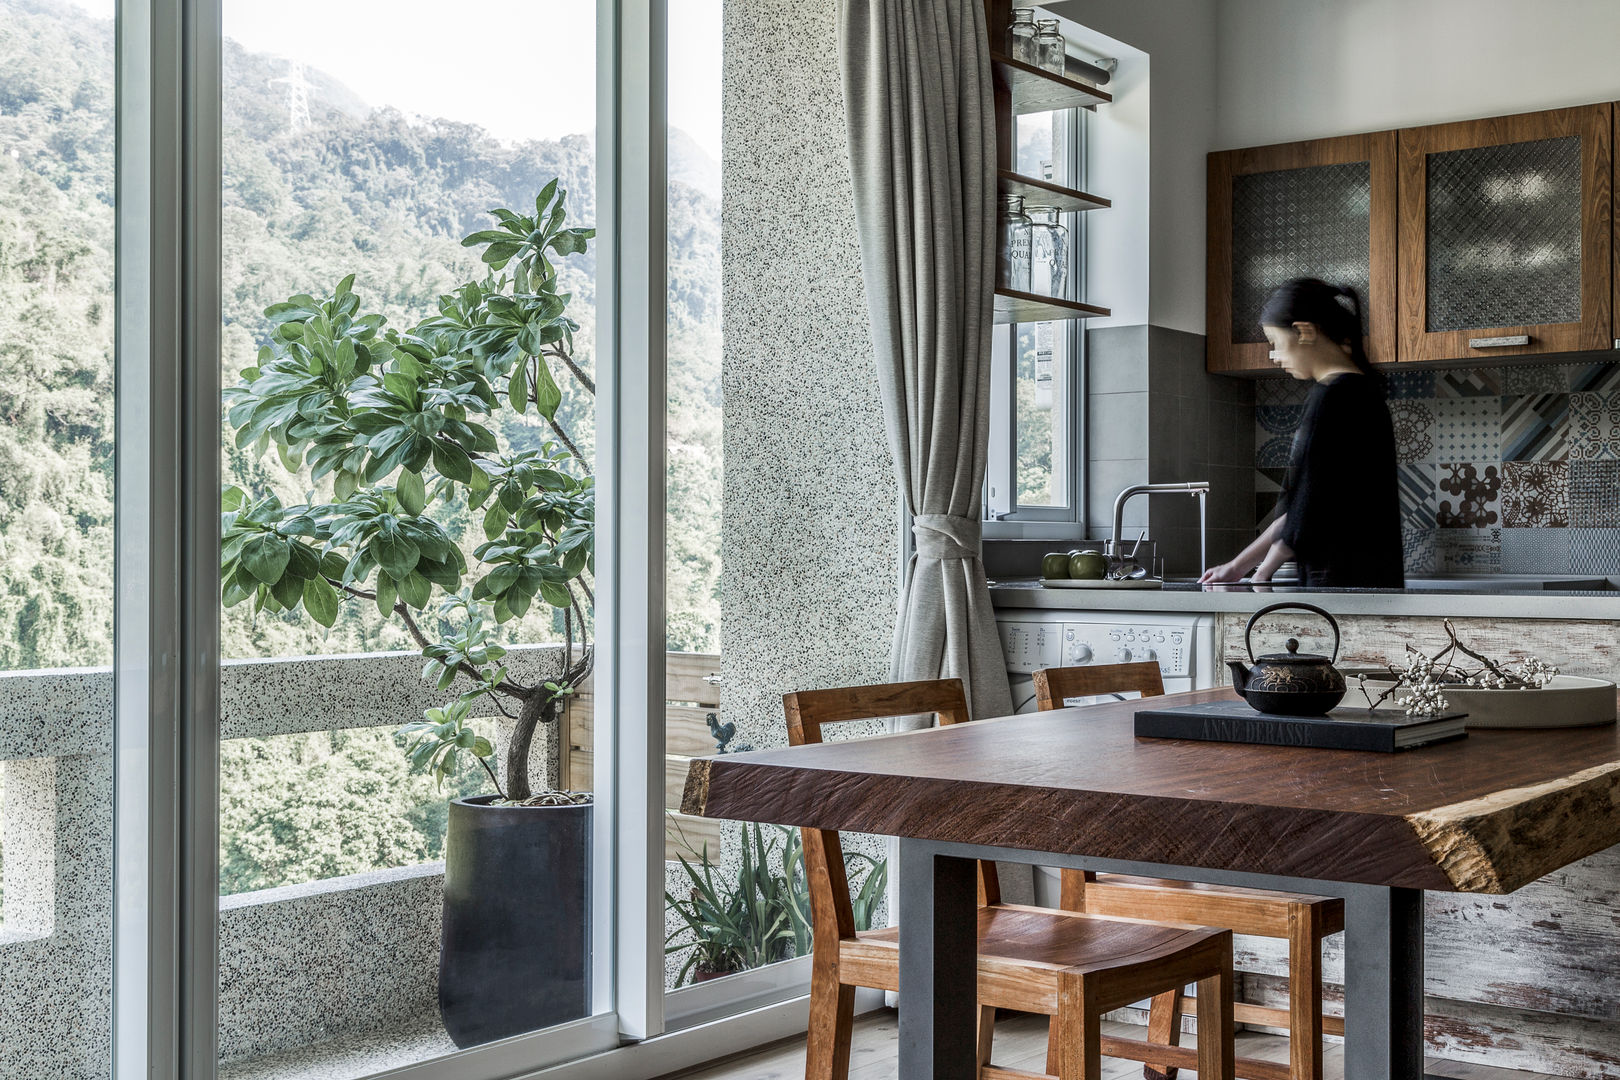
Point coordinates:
[(493, 779), (579, 373), (505, 686), (572, 449)]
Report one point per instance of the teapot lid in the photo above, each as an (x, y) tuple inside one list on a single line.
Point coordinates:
[(1292, 656)]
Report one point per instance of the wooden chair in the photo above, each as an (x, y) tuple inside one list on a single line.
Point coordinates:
[(1301, 921), (1071, 967)]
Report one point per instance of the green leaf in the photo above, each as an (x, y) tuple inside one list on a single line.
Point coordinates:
[(265, 557), (232, 499), (321, 601), (554, 594), (344, 485), (394, 552), (415, 590), (495, 519), (288, 591), (386, 594), (452, 461), (546, 394), (412, 492), (518, 391)]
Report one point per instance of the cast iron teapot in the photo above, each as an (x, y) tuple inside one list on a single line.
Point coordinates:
[(1291, 683)]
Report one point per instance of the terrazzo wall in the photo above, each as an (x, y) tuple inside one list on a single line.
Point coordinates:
[(810, 585), (1511, 470)]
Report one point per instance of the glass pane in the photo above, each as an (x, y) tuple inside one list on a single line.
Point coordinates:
[(408, 448), (57, 407), (1043, 414), (1311, 222), (1504, 235), (761, 916)]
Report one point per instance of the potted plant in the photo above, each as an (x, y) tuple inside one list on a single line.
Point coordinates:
[(762, 914), (395, 425)]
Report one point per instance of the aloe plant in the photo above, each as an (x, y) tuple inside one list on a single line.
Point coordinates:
[(762, 916)]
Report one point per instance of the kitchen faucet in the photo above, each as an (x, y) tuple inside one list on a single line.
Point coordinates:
[(1199, 489)]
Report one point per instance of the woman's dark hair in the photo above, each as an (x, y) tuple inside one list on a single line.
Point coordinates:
[(1314, 301)]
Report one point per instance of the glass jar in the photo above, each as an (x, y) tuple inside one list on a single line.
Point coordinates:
[(1048, 251), (1021, 36), (1013, 237), (1051, 51)]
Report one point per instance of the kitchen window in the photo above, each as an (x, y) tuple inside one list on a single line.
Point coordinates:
[(1034, 481)]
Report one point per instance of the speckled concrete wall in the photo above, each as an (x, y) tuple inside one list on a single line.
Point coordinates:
[(811, 515)]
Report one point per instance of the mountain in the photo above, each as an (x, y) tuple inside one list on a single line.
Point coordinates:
[(350, 188)]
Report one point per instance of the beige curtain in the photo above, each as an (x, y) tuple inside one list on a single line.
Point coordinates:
[(921, 113)]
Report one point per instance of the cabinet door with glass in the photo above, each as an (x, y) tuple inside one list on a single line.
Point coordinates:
[(1505, 235), (1323, 208)]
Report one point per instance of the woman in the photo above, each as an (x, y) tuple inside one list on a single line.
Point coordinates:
[(1339, 513)]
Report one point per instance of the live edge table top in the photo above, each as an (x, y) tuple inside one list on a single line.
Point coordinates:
[(1488, 813)]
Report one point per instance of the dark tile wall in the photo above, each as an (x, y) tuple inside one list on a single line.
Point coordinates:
[(1155, 416), (1512, 470)]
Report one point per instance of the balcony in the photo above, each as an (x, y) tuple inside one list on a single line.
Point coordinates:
[(335, 977)]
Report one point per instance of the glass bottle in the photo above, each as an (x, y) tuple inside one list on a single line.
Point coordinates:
[(1051, 51), (1021, 36), (1049, 251), (1013, 235)]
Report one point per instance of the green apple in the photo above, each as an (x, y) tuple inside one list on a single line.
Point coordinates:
[(1088, 565), (1055, 565)]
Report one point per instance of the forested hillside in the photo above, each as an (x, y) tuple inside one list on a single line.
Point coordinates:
[(351, 189)]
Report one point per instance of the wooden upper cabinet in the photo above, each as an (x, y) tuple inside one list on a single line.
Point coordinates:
[(1324, 208), (1505, 235)]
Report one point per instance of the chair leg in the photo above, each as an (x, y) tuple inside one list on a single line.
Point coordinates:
[(1304, 995), (832, 1022), (1077, 1031), (1164, 1026), (1215, 1041), (987, 1034)]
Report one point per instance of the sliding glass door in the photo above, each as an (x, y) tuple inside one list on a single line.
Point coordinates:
[(58, 487), (369, 299)]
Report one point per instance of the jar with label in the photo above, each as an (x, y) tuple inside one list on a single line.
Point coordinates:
[(1013, 237), (1051, 51), (1049, 251), (1021, 36)]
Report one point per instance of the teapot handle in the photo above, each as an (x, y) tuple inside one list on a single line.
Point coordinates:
[(1248, 631)]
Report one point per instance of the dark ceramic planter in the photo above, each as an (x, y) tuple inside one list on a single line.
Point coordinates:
[(515, 953)]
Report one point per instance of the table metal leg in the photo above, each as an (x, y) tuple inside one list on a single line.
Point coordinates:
[(1383, 983), (938, 965)]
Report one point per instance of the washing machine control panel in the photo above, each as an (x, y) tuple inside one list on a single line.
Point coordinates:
[(1031, 646)]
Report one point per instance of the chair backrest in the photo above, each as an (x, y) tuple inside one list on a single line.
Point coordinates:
[(808, 711), (1054, 686)]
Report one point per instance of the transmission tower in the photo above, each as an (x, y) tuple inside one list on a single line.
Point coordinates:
[(298, 89)]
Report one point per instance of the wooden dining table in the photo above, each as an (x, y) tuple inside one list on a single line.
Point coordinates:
[(1075, 787)]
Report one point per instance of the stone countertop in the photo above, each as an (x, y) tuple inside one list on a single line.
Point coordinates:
[(1189, 596)]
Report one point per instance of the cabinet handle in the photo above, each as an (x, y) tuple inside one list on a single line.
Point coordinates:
[(1498, 342)]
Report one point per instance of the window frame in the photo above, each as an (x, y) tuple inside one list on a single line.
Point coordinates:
[(1004, 518)]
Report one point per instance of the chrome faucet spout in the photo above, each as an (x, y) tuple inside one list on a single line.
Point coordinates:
[(1197, 488)]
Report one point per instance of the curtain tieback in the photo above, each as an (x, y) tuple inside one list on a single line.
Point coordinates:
[(945, 536)]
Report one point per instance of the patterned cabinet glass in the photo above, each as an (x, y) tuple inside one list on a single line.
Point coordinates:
[(1505, 237), (1324, 208), (1311, 222)]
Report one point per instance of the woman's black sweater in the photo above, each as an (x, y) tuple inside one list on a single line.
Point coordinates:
[(1340, 498)]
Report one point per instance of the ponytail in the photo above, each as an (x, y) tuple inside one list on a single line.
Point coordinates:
[(1314, 301)]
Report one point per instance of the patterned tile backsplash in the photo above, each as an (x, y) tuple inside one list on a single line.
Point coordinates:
[(1512, 470)]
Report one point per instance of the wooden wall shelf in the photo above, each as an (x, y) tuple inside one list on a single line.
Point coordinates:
[(1045, 193), (1034, 90), (1022, 307)]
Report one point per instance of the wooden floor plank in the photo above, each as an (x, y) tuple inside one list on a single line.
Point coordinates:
[(1021, 1044)]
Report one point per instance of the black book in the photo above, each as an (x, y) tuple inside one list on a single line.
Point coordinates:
[(1385, 730)]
